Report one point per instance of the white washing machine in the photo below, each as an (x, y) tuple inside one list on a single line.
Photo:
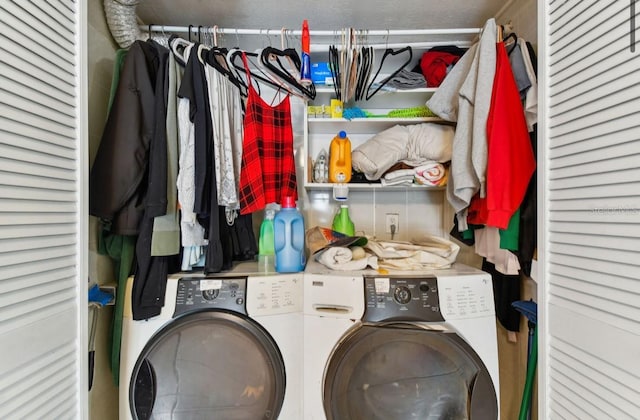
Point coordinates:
[(399, 346), (224, 347)]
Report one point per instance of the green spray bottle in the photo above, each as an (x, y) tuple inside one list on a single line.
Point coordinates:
[(342, 222), (266, 242)]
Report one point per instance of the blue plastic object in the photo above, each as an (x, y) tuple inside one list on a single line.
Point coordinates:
[(288, 229), (98, 296), (354, 112), (528, 308)]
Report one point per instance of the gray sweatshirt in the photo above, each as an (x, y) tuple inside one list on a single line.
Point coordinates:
[(465, 97)]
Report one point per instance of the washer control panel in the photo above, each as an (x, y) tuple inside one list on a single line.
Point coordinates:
[(196, 293), (402, 299)]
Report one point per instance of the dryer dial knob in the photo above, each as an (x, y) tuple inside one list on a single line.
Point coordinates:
[(402, 295), (210, 294)]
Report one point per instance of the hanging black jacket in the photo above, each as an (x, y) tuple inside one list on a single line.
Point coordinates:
[(128, 181), (118, 178)]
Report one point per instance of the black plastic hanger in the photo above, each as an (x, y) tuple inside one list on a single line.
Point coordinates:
[(512, 46), (213, 59), (334, 65), (270, 56), (388, 52), (241, 69), (365, 61)]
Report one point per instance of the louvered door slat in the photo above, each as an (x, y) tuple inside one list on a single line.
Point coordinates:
[(42, 204), (35, 139), (592, 202), (58, 36), (32, 277), (47, 125), (23, 34)]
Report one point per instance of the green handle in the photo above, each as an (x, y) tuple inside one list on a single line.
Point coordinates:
[(525, 406)]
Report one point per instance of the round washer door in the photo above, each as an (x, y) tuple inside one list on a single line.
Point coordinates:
[(402, 371), (208, 365)]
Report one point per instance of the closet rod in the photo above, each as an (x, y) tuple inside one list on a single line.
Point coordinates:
[(378, 32)]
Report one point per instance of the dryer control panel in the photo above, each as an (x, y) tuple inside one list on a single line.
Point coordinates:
[(195, 293), (402, 299)]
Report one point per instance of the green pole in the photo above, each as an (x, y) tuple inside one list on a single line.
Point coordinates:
[(525, 406)]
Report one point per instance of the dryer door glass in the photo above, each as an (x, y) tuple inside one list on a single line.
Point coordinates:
[(209, 365), (406, 372)]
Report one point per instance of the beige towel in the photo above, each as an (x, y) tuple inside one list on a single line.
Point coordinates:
[(429, 252), (341, 258)]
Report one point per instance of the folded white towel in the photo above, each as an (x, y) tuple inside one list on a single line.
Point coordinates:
[(341, 258), (398, 177), (399, 181)]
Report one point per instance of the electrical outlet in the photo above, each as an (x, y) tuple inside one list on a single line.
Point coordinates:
[(392, 219)]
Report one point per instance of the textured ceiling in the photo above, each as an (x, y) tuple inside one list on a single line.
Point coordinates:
[(322, 15)]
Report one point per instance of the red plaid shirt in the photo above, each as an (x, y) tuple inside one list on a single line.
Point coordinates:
[(268, 172)]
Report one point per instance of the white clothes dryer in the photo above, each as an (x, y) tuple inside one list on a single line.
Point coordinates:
[(224, 347), (399, 346)]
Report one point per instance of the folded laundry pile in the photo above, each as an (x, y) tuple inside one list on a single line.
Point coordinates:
[(415, 145), (433, 174), (428, 252)]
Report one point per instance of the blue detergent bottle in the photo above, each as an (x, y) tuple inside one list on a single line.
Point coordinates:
[(288, 229)]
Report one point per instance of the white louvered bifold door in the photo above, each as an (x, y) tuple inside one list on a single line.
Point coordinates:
[(591, 189), (43, 292)]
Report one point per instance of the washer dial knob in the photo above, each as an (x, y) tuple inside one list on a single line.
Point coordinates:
[(402, 295), (210, 294)]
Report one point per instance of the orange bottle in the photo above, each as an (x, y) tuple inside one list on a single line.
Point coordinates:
[(340, 159)]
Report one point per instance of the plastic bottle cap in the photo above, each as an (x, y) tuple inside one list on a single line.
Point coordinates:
[(342, 134), (288, 202)]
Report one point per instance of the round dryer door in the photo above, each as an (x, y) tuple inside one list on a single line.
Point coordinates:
[(403, 371), (208, 365)]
